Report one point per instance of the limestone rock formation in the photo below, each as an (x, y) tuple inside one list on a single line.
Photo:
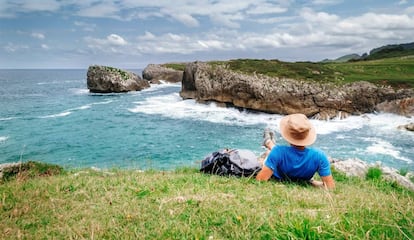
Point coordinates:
[(359, 168), (409, 127), (403, 107), (156, 73), (205, 82), (103, 79)]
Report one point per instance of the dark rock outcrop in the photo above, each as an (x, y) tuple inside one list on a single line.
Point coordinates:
[(103, 79), (205, 82), (156, 73)]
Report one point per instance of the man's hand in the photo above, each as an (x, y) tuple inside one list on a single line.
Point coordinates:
[(264, 174)]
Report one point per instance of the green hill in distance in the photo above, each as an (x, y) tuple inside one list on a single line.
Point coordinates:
[(344, 58), (387, 51)]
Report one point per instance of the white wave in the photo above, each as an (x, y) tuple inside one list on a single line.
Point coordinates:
[(338, 125), (62, 114), (3, 138), (80, 108), (8, 118), (387, 121), (173, 106), (384, 123), (69, 111), (58, 82), (103, 102), (385, 148), (79, 91), (155, 87)]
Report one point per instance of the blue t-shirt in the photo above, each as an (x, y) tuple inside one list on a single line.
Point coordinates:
[(290, 163)]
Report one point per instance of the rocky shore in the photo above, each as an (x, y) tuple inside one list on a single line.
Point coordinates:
[(205, 82)]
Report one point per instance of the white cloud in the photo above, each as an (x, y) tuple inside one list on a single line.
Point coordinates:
[(226, 20), (375, 24), (6, 10), (326, 2), (102, 10), (89, 27), (312, 29), (11, 47), (148, 36), (251, 28), (40, 5), (38, 35), (409, 10), (319, 17), (112, 43), (116, 40), (266, 8)]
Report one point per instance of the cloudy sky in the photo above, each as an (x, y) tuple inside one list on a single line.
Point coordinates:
[(134, 33)]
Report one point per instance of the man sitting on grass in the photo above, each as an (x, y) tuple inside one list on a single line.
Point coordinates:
[(295, 162)]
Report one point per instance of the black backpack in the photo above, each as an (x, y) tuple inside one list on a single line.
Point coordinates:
[(236, 162)]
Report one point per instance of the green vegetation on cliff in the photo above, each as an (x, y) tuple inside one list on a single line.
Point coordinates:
[(185, 204), (396, 72), (124, 75)]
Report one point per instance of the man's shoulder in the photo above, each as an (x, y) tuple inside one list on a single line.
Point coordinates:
[(318, 153), (282, 147)]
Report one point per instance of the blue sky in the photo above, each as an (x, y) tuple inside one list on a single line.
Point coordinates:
[(134, 33)]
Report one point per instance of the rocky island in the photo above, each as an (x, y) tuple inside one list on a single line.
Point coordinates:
[(103, 79)]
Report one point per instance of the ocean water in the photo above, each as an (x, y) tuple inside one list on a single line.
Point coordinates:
[(50, 116)]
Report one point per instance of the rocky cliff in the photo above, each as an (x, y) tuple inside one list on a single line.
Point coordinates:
[(205, 82), (156, 73), (102, 79)]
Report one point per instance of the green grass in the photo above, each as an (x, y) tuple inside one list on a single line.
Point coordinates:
[(124, 75), (175, 66), (396, 72), (374, 173), (185, 204)]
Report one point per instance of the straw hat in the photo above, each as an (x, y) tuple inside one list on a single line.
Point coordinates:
[(296, 129)]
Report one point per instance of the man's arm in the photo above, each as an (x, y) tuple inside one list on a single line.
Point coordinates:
[(327, 182), (264, 174)]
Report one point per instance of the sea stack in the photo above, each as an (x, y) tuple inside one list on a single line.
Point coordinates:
[(104, 79)]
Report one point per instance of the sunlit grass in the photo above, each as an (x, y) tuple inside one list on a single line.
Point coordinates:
[(185, 204)]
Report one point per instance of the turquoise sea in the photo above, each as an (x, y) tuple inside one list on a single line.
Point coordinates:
[(50, 116)]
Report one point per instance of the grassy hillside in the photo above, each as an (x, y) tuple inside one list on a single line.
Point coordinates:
[(186, 204), (396, 72)]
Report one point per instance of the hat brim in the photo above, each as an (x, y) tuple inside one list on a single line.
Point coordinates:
[(309, 140)]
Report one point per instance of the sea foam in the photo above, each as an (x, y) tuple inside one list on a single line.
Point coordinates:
[(62, 114), (3, 138), (173, 106), (380, 146)]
